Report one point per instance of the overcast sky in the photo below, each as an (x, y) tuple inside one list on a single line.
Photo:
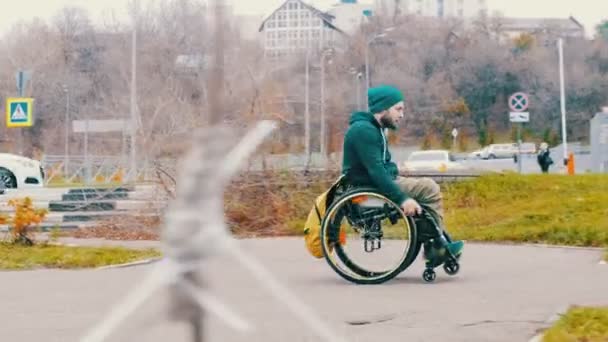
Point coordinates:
[(589, 12)]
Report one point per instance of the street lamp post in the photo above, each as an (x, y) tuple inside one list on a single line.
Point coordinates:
[(323, 146), (66, 151), (560, 47), (133, 109), (357, 80), (307, 109), (367, 43), (367, 70)]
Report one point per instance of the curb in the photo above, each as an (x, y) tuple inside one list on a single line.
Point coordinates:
[(130, 264), (564, 247), (537, 245), (554, 318)]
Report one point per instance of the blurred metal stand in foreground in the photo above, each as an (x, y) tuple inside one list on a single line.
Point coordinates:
[(195, 231), (195, 228)]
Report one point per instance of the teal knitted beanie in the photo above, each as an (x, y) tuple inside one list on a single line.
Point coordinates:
[(383, 97)]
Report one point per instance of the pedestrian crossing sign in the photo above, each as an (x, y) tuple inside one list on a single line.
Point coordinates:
[(19, 112)]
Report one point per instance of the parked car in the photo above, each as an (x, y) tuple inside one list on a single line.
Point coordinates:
[(20, 172), (477, 154), (527, 148), (432, 160), (498, 151)]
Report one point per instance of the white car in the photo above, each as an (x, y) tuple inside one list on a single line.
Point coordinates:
[(432, 160), (499, 151), (477, 154), (495, 151), (20, 172)]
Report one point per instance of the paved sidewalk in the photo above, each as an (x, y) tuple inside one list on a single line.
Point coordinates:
[(503, 293)]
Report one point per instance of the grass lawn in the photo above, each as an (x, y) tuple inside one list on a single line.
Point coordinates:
[(14, 257), (580, 324), (552, 209)]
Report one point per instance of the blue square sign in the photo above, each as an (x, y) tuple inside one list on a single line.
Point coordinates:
[(19, 112)]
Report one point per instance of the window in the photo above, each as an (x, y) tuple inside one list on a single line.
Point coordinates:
[(440, 8)]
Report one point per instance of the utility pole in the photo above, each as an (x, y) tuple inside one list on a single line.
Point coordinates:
[(66, 152), (563, 98), (87, 159), (322, 133), (215, 83), (20, 85), (133, 126), (357, 82), (367, 83), (307, 106)]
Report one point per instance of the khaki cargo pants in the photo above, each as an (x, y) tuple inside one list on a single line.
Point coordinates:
[(427, 193)]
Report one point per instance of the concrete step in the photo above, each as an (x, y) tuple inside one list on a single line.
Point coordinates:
[(42, 194), (118, 205), (99, 190), (5, 208), (123, 205), (61, 206), (84, 216), (94, 196), (47, 227)]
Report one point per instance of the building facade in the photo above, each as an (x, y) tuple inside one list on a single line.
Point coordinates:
[(349, 15), (296, 26)]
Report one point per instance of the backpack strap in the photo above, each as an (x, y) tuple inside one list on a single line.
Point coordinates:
[(318, 213)]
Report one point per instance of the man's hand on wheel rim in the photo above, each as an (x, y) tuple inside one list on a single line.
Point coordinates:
[(410, 207)]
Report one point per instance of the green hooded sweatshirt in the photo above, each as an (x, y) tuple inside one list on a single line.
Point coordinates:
[(367, 161)]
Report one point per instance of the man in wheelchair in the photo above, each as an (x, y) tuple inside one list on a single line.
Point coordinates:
[(367, 162)]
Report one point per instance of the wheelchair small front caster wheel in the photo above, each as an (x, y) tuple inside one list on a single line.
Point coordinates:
[(451, 267), (429, 275)]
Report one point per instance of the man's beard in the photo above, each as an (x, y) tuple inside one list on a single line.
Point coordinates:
[(387, 122)]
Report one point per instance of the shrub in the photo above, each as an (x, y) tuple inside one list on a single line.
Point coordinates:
[(25, 218)]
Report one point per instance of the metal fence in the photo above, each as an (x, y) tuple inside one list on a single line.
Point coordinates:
[(92, 170)]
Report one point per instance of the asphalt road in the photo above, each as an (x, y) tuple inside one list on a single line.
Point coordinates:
[(503, 293)]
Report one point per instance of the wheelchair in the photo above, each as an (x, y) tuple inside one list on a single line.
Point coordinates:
[(367, 239)]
